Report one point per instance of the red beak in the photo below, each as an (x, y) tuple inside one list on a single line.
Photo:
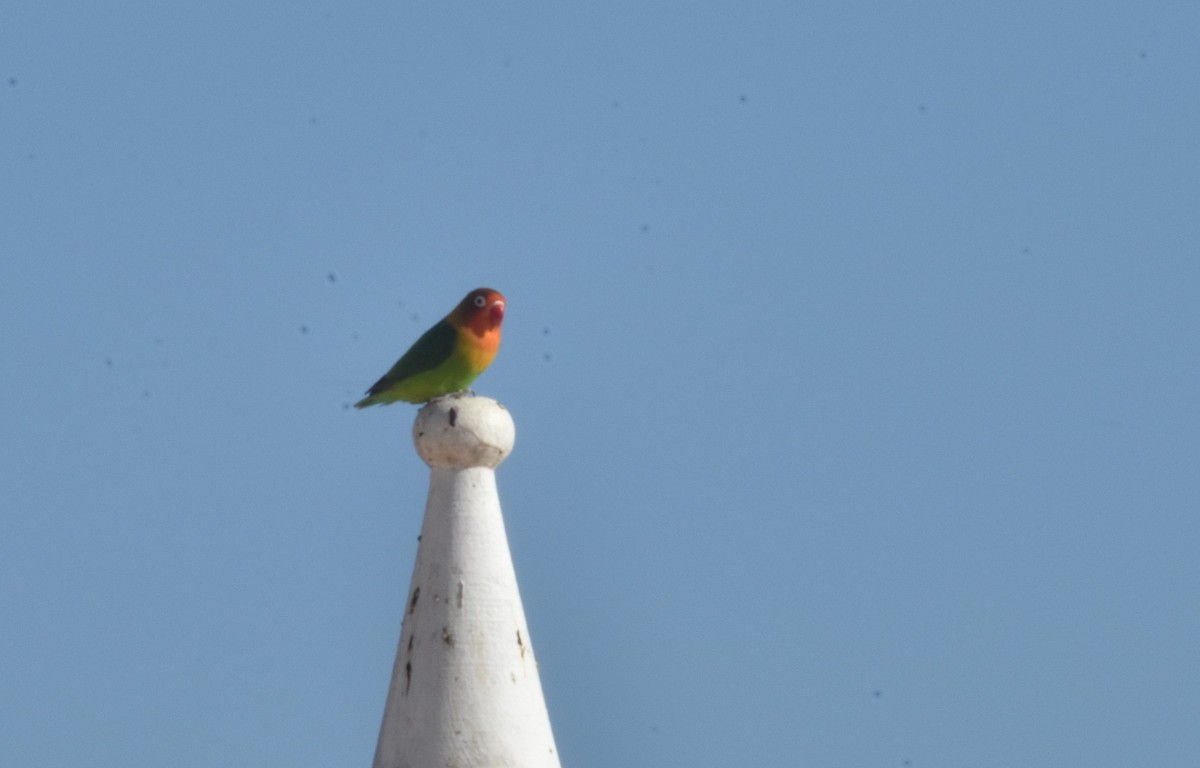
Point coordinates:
[(496, 312)]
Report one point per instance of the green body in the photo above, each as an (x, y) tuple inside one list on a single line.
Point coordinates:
[(437, 364)]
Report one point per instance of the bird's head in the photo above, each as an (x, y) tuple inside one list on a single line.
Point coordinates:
[(482, 311)]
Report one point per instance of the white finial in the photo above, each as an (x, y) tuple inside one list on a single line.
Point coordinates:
[(465, 689), (460, 431)]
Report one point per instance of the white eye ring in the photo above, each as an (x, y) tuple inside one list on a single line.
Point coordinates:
[(480, 301)]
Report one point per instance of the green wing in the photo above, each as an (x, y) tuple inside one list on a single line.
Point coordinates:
[(431, 350)]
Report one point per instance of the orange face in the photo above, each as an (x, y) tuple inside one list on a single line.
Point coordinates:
[(477, 319), (481, 311)]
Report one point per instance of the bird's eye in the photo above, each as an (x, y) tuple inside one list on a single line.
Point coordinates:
[(480, 301)]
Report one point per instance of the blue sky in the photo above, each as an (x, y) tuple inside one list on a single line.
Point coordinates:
[(852, 351)]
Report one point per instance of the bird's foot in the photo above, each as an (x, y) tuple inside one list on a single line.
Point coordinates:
[(454, 395)]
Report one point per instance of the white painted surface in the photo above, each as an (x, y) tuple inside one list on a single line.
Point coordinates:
[(465, 690)]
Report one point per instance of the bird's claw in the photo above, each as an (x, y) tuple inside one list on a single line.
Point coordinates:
[(454, 395)]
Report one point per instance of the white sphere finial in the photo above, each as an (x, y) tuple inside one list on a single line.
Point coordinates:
[(463, 430)]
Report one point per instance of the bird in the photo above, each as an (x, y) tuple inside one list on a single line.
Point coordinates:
[(447, 357)]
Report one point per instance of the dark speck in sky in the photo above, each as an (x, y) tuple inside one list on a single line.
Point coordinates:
[(331, 277), (108, 362), (13, 81), (304, 328), (742, 99), (546, 331)]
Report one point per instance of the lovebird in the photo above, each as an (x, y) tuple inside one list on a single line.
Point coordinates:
[(447, 357)]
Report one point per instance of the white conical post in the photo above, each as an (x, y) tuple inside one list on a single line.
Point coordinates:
[(465, 690)]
